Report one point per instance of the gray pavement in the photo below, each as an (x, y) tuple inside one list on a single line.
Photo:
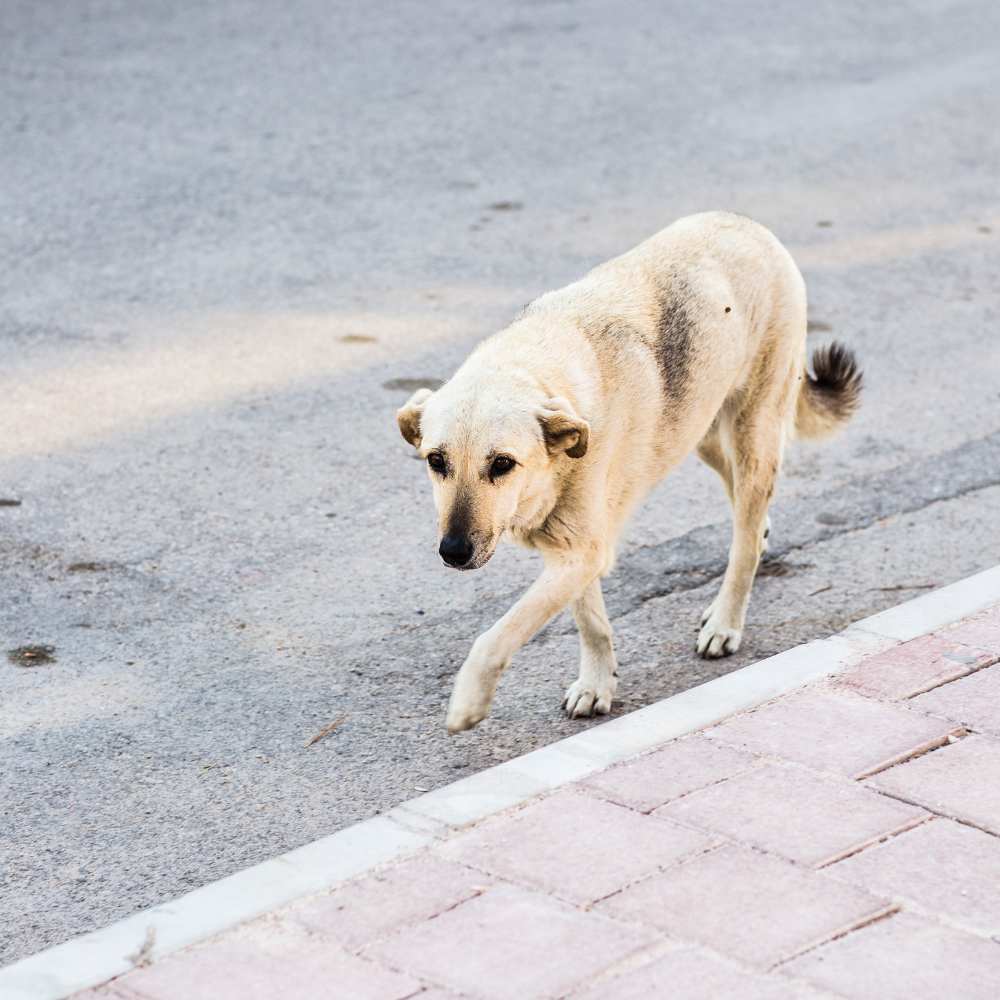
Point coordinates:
[(227, 227)]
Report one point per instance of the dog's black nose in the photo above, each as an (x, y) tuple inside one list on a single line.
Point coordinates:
[(455, 550)]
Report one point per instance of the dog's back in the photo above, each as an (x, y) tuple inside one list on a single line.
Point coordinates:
[(718, 306)]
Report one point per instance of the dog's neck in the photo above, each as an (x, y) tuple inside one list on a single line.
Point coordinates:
[(545, 519)]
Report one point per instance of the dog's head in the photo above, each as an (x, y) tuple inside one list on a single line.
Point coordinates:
[(493, 450)]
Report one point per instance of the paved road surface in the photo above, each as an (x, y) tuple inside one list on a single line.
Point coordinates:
[(229, 229)]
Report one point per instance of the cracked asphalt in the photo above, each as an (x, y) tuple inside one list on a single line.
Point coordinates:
[(234, 234)]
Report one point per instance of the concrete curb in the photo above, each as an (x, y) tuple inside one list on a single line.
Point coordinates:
[(99, 956)]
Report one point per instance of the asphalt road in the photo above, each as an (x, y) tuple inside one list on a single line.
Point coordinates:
[(229, 229)]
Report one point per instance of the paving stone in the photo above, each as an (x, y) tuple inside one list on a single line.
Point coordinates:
[(904, 958), (983, 630), (511, 943), (913, 667), (833, 731), (746, 905), (961, 781), (691, 974), (372, 907), (263, 961), (804, 816), (973, 701), (574, 845), (943, 867), (676, 769)]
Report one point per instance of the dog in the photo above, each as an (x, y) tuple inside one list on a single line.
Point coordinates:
[(554, 429)]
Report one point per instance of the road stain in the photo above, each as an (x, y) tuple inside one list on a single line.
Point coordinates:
[(775, 567), (830, 518), (31, 656), (88, 567), (412, 384), (9, 502), (506, 206), (817, 326), (358, 338)]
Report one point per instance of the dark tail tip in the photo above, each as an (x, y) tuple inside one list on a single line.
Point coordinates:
[(836, 381)]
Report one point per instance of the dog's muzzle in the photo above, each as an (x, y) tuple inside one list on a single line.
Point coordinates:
[(456, 550)]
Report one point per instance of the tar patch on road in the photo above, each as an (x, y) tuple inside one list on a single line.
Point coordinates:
[(88, 567), (775, 567), (831, 518), (9, 502), (31, 656), (412, 384)]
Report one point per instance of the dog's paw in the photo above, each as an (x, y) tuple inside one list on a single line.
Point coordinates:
[(460, 719), (469, 704), (706, 614), (716, 640), (584, 698), (475, 685)]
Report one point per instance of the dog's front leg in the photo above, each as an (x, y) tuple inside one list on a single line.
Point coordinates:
[(561, 582), (594, 690)]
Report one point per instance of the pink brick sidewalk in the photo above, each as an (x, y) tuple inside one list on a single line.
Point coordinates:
[(841, 841)]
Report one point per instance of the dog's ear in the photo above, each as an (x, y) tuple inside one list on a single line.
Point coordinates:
[(563, 430), (408, 416)]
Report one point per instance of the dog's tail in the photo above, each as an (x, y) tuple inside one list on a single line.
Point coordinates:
[(830, 394)]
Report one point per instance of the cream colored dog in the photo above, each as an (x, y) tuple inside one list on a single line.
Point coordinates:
[(556, 427)]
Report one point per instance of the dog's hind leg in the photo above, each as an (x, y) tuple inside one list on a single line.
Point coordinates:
[(710, 451), (713, 454), (594, 690), (752, 446)]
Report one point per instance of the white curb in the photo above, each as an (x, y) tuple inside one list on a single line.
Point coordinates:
[(99, 956)]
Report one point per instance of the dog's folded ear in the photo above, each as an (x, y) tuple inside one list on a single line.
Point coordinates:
[(408, 416), (563, 430)]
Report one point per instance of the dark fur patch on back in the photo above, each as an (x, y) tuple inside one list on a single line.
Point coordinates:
[(835, 385), (674, 331)]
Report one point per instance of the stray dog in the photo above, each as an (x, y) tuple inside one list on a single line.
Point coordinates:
[(555, 428)]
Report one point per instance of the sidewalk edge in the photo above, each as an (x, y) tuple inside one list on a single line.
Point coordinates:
[(96, 957)]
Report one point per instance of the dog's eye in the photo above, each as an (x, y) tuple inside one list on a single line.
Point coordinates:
[(436, 461), (501, 465)]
